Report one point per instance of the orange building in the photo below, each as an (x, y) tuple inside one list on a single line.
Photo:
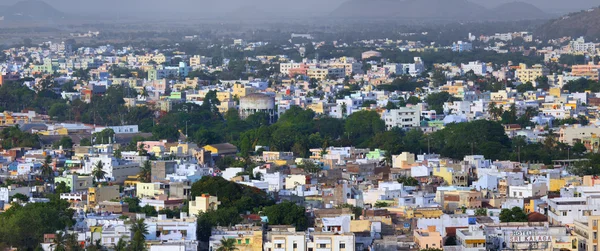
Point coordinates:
[(591, 71), (1, 79)]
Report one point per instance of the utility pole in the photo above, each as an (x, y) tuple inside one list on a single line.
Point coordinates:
[(428, 145)]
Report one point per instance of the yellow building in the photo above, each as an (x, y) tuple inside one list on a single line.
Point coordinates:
[(317, 73), (424, 212), (586, 232), (525, 74), (240, 90), (247, 238), (451, 176), (159, 58), (224, 96), (10, 119), (428, 238), (58, 131), (195, 60), (203, 203), (555, 92), (221, 149), (131, 181), (102, 193), (149, 189)]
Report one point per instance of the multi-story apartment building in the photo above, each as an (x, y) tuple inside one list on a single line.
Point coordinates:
[(479, 68), (404, 117), (567, 210), (525, 74), (461, 46), (586, 232), (102, 193), (590, 71), (289, 239)]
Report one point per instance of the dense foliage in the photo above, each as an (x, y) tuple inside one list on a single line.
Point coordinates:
[(24, 226), (235, 199), (515, 214), (287, 213)]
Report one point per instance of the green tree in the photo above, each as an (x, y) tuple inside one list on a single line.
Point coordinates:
[(164, 131), (362, 126), (20, 197), (516, 214), (357, 211), (436, 101), (481, 212), (46, 170), (381, 204), (85, 142), (23, 227), (408, 181), (64, 142), (287, 213), (391, 105), (227, 244), (149, 211), (60, 242), (61, 187), (145, 172), (98, 172), (139, 230), (121, 245), (578, 149)]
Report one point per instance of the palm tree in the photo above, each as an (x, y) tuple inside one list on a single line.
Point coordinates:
[(72, 243), (142, 150), (145, 172), (121, 245), (46, 169), (98, 173), (60, 242), (227, 245), (139, 230)]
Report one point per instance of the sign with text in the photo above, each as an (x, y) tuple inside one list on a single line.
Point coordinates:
[(529, 236)]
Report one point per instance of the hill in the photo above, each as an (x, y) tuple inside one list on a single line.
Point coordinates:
[(435, 9), (584, 23), (517, 11), (31, 10)]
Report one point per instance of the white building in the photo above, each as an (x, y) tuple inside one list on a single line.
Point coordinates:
[(479, 68), (404, 117), (116, 170), (567, 210)]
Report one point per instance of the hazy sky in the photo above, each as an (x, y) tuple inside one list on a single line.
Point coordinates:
[(261, 6)]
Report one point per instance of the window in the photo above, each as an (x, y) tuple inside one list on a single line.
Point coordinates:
[(564, 213), (239, 241), (342, 245), (279, 245), (322, 246), (295, 245), (247, 241)]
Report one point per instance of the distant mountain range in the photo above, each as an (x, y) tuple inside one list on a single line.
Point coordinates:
[(584, 23), (437, 10), (31, 10)]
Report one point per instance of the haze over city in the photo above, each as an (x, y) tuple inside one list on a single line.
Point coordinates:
[(315, 125)]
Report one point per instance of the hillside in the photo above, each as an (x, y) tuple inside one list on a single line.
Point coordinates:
[(517, 11), (31, 10), (435, 9), (584, 23)]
